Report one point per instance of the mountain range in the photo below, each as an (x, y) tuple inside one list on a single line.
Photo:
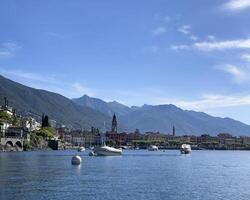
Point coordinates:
[(86, 111)]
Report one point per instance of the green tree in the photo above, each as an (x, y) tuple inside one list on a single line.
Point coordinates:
[(5, 116), (45, 121)]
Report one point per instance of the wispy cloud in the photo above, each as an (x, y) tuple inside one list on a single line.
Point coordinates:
[(222, 45), (53, 83), (159, 31), (235, 5), (239, 74), (218, 45), (81, 89), (246, 57), (180, 47), (205, 102), (27, 75), (186, 30), (211, 37), (8, 49), (193, 37), (210, 101)]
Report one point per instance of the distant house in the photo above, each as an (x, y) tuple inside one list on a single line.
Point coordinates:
[(245, 140), (32, 124), (224, 135), (77, 138)]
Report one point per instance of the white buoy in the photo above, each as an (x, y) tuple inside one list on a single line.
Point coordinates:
[(76, 160)]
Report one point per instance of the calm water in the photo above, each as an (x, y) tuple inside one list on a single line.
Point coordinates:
[(139, 174)]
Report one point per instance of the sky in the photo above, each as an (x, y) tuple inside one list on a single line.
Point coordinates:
[(194, 54)]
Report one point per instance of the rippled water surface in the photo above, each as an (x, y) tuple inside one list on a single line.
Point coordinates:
[(137, 174)]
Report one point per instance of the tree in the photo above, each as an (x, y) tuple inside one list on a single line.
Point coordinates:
[(45, 121)]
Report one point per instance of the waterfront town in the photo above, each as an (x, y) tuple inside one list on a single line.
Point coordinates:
[(19, 133)]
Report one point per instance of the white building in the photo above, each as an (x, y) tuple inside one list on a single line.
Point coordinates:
[(32, 125), (3, 127)]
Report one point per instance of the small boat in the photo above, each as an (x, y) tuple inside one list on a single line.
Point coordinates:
[(153, 148), (185, 149), (80, 149), (107, 151), (91, 153)]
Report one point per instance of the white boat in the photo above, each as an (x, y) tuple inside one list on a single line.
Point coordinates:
[(125, 147), (185, 148), (153, 148), (107, 151), (80, 149)]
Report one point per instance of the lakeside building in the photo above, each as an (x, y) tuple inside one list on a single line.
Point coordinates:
[(31, 124), (135, 139), (4, 124)]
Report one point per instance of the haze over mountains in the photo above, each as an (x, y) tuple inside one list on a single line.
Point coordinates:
[(85, 112)]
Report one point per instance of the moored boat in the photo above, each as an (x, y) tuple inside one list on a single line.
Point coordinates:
[(153, 148), (107, 151), (80, 149), (185, 149)]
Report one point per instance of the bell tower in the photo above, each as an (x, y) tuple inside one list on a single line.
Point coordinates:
[(114, 124)]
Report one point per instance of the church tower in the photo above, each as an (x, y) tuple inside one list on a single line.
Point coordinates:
[(173, 131), (114, 124)]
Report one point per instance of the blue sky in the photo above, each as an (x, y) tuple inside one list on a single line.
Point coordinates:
[(194, 54)]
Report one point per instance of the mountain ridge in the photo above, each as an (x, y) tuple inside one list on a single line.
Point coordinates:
[(86, 111)]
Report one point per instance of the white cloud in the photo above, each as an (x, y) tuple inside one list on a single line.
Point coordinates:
[(48, 82), (239, 74), (81, 89), (237, 5), (222, 45), (193, 37), (185, 29), (214, 45), (210, 101), (7, 49), (27, 75), (159, 31), (211, 37), (5, 53), (246, 57), (180, 47)]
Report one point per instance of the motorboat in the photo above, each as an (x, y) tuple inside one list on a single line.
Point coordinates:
[(185, 149), (81, 149), (153, 148), (107, 151)]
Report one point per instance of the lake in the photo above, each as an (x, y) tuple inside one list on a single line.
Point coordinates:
[(206, 175)]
